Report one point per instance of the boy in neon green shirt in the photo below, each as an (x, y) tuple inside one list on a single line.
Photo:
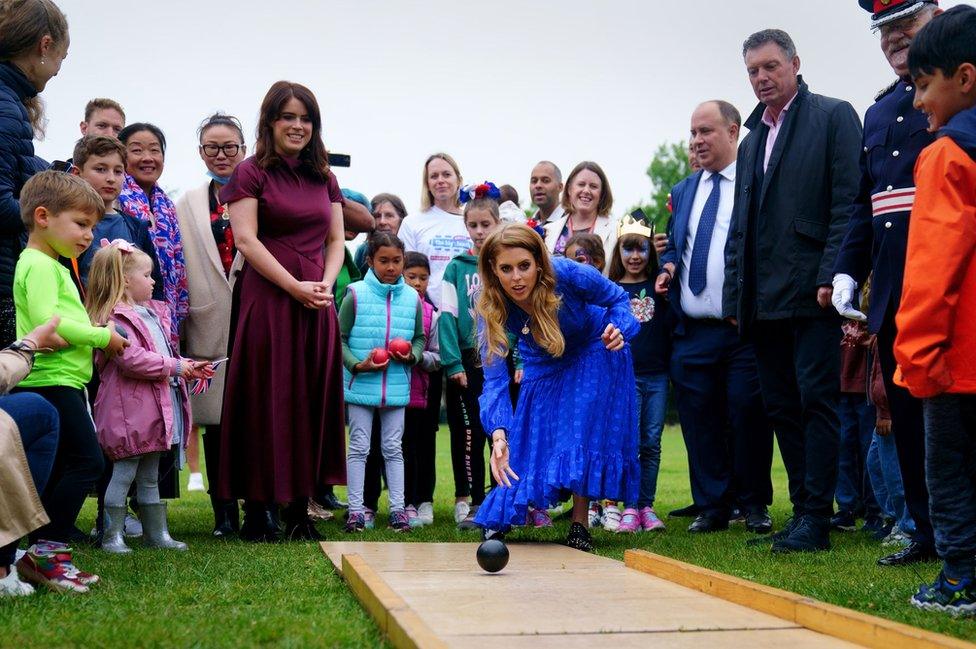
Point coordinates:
[(59, 211)]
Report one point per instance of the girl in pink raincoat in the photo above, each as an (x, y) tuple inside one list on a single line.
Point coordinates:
[(142, 407)]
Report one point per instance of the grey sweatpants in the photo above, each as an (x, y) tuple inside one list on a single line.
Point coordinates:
[(391, 437), (950, 472)]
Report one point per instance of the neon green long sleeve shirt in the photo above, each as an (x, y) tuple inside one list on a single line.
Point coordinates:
[(42, 289)]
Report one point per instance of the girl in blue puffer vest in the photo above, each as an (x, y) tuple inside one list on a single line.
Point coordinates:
[(381, 321)]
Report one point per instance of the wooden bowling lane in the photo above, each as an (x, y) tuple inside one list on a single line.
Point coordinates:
[(435, 595)]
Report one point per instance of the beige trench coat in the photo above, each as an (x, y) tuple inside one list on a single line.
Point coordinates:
[(20, 506), (207, 327)]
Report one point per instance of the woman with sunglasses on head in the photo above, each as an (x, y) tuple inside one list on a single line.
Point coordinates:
[(210, 253)]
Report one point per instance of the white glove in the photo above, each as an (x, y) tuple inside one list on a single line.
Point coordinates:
[(844, 287)]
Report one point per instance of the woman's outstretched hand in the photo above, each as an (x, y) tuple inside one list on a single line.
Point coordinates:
[(612, 338), (500, 468)]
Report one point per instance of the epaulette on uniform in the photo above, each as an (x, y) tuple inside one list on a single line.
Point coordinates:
[(887, 90)]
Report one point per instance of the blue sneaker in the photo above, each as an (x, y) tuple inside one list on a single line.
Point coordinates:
[(956, 599), (399, 522), (355, 523)]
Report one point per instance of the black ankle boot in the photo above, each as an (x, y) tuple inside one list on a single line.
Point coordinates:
[(260, 523), (226, 522), (298, 526)]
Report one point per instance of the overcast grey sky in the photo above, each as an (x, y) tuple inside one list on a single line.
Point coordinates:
[(498, 85)]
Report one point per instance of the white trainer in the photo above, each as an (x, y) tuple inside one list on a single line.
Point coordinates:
[(611, 518), (12, 586), (425, 513), (195, 483), (461, 511)]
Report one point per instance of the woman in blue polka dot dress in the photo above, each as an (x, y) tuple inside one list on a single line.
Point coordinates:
[(574, 427)]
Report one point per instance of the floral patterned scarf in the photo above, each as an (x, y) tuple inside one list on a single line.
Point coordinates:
[(169, 244)]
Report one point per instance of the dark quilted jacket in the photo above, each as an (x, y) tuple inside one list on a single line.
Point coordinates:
[(17, 164)]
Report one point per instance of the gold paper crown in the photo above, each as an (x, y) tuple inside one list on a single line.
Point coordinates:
[(630, 225)]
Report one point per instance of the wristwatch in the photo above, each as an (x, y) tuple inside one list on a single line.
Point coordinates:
[(22, 346)]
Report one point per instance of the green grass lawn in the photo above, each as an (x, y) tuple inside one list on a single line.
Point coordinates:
[(231, 594)]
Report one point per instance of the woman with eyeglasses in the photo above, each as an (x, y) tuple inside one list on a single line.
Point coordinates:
[(210, 253)]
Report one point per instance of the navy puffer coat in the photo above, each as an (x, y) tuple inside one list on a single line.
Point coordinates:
[(17, 164)]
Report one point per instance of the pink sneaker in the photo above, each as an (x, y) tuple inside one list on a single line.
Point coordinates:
[(629, 522), (539, 518), (649, 520)]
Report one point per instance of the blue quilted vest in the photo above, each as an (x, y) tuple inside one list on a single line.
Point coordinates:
[(383, 312)]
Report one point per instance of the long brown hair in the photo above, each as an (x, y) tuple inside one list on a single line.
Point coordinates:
[(314, 158), (492, 304), (617, 270), (23, 23)]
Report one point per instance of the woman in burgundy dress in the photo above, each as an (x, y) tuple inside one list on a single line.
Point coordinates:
[(282, 424)]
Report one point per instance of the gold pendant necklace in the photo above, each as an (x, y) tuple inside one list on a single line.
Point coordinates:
[(525, 327)]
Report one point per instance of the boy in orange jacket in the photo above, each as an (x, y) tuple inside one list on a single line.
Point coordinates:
[(936, 343)]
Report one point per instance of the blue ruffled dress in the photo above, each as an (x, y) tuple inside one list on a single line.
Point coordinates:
[(575, 424)]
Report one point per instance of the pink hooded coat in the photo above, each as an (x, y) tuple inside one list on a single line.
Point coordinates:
[(134, 409)]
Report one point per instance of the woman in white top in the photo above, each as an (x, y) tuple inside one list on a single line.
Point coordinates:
[(587, 200), (438, 229)]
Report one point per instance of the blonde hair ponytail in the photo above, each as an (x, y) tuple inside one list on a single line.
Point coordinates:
[(106, 280)]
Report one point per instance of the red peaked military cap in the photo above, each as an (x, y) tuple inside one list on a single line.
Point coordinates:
[(886, 11)]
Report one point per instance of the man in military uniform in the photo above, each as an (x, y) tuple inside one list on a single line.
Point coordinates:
[(894, 134)]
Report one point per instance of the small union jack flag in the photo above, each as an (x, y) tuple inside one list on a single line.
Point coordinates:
[(200, 386)]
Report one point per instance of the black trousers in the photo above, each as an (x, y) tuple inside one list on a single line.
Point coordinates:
[(716, 388), (950, 433), (468, 439), (908, 427), (799, 373), (78, 463)]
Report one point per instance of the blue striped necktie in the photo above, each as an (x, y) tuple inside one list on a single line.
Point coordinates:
[(698, 270)]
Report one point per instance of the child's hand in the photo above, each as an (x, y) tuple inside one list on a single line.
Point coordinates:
[(518, 376), (116, 343), (460, 378), (368, 365), (403, 358), (883, 426), (197, 369)]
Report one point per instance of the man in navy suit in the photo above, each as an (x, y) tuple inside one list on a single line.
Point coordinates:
[(714, 373)]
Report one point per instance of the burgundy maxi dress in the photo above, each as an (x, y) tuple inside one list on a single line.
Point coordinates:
[(282, 424)]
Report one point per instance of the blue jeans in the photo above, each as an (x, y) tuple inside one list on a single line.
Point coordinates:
[(37, 421), (652, 401), (885, 474), (854, 492)]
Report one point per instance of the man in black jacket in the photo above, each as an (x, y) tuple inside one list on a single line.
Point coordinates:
[(796, 177)]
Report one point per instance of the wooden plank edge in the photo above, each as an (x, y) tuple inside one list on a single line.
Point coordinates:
[(397, 621), (842, 623), (338, 568)]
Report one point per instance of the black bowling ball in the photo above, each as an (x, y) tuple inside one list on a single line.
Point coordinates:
[(492, 555)]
